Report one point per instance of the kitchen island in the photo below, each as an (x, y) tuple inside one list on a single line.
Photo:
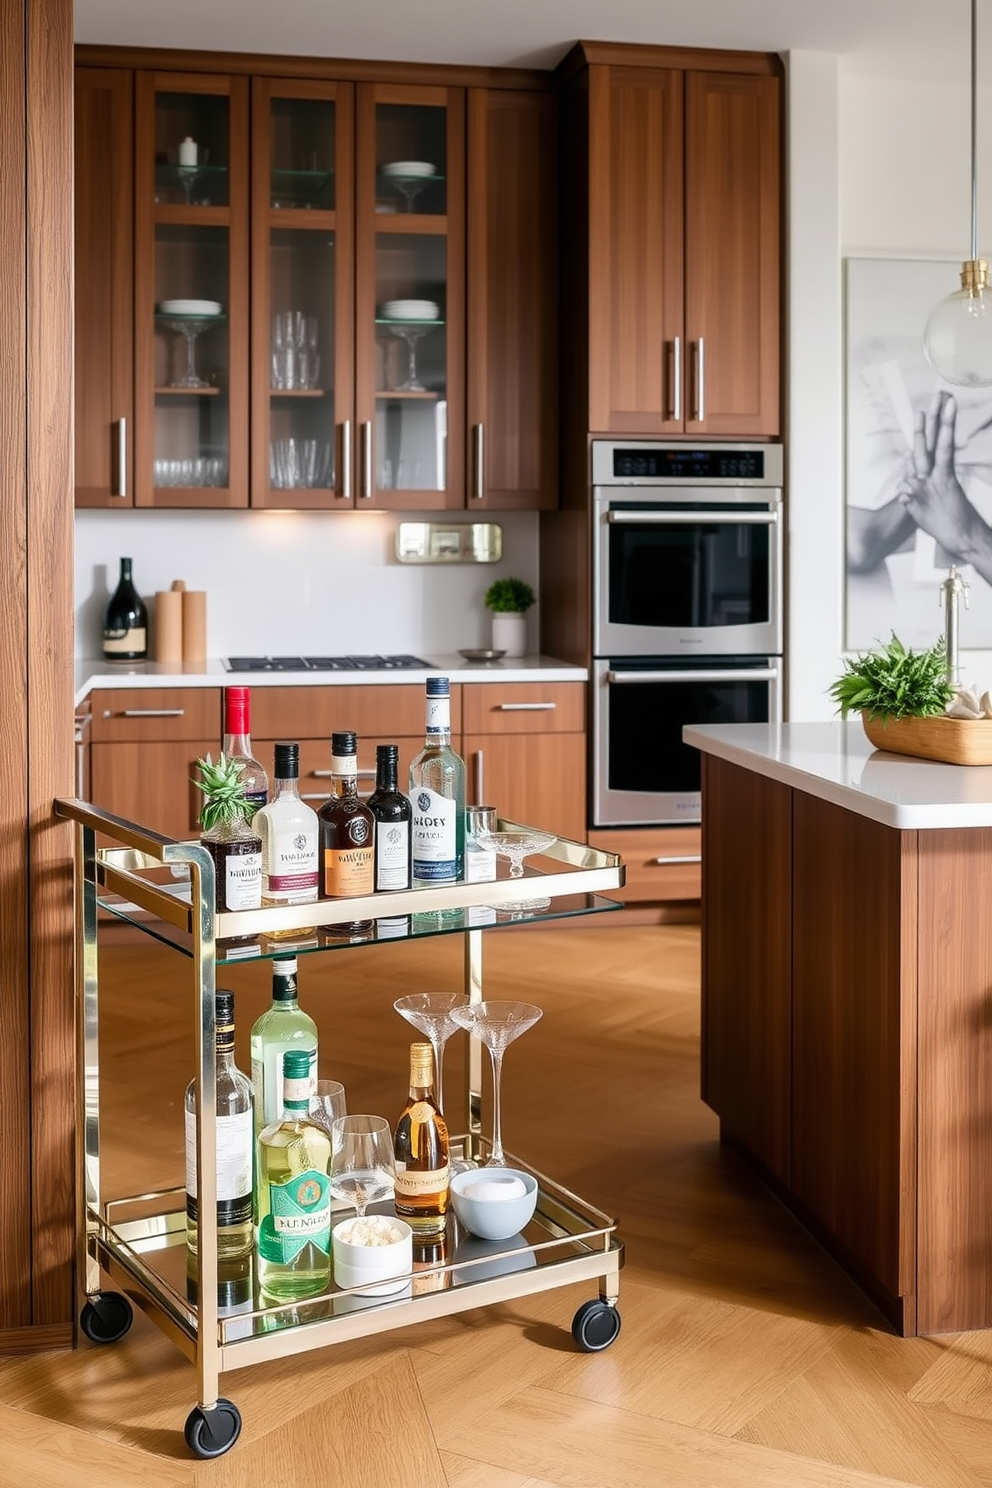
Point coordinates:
[(847, 1001)]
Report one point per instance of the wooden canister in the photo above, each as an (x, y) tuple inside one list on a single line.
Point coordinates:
[(194, 625), (168, 633)]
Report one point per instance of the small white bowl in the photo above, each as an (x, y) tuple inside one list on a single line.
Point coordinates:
[(372, 1270), (491, 1214)]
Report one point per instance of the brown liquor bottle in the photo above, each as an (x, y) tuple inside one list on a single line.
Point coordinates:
[(421, 1150), (347, 835)]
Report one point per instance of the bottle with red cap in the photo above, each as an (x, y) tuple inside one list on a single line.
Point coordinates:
[(237, 745)]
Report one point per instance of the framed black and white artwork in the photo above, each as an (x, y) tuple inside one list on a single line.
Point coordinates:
[(918, 466)]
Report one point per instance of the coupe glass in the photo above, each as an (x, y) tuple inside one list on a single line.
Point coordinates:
[(515, 846), (430, 1013), (190, 327), (363, 1169), (327, 1103), (497, 1024)]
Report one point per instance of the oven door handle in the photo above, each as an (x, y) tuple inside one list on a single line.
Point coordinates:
[(703, 674), (689, 518)]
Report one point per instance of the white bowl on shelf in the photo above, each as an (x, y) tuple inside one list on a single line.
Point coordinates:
[(362, 1268), (189, 307), (408, 168), (409, 310), (494, 1203)]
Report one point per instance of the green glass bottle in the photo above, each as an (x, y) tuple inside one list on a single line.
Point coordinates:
[(284, 1025), (293, 1197)]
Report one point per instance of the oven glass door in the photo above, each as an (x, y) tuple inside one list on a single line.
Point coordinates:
[(643, 773), (687, 580)]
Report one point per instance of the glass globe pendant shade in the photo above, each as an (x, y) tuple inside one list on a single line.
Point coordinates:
[(958, 336)]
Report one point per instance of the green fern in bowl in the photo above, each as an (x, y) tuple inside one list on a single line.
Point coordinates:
[(894, 682)]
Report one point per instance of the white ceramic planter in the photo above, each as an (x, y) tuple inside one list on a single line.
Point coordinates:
[(510, 632)]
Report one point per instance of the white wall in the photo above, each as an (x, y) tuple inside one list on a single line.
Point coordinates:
[(281, 583)]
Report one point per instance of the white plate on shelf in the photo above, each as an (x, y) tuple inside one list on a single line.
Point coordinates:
[(189, 307), (409, 310), (408, 168)]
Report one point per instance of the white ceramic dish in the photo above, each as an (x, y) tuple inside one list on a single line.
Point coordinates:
[(190, 307), (361, 1268), (410, 310), (409, 168), (505, 1201)]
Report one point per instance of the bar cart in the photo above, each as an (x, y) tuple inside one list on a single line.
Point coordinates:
[(139, 1241)]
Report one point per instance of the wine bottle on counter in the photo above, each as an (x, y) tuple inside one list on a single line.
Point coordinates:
[(237, 745), (290, 835), (392, 812), (125, 621), (284, 1025), (437, 796), (235, 1146), (421, 1151)]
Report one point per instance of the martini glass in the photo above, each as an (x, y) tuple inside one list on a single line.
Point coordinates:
[(431, 1014), (411, 334), (515, 846), (190, 327), (496, 1024)]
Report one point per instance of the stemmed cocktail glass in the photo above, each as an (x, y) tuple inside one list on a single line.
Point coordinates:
[(515, 846), (190, 326), (431, 1014), (497, 1024)]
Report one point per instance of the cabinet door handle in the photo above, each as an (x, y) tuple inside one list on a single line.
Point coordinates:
[(346, 459), (146, 713), (121, 457), (366, 487), (700, 380), (525, 707), (688, 858), (677, 378), (479, 461)]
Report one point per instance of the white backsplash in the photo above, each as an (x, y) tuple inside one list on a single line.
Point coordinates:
[(317, 583)]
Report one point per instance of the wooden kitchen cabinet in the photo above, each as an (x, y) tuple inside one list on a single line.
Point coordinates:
[(672, 186), (524, 747), (663, 863), (144, 746)]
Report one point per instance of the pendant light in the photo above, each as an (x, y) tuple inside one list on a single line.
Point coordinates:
[(958, 337)]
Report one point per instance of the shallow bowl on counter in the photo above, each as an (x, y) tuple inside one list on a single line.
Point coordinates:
[(372, 1270), (481, 653), (490, 1214)]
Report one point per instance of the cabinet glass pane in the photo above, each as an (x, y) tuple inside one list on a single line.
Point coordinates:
[(192, 358), (192, 148), (411, 363), (302, 142), (411, 159), (301, 359)]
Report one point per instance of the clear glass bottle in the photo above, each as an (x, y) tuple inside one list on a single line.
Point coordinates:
[(290, 836), (293, 1195), (284, 1025), (392, 812), (235, 1139), (437, 795), (237, 745), (230, 839), (347, 835), (421, 1151), (125, 621)]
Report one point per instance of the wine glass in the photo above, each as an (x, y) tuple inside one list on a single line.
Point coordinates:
[(363, 1169), (496, 1024), (327, 1103), (430, 1014), (515, 846)]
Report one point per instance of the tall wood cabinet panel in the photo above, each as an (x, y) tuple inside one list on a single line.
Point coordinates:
[(104, 274)]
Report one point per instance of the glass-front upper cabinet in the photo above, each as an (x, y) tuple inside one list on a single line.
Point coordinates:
[(410, 297), (191, 291), (303, 378)]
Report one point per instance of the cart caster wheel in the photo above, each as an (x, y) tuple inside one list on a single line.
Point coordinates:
[(211, 1433), (595, 1326), (106, 1317)]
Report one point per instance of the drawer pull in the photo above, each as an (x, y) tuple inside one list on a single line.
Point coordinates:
[(146, 713), (689, 858), (525, 707)]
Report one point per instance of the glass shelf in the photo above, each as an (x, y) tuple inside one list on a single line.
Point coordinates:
[(205, 181), (306, 190)]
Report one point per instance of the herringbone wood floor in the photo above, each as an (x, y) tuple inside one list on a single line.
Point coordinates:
[(746, 1359)]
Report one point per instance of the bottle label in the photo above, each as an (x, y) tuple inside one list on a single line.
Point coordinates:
[(434, 836), (292, 864), (392, 855), (243, 881), (480, 862), (124, 642), (235, 1139), (299, 1214), (417, 1183), (348, 871), (438, 716), (266, 1077)]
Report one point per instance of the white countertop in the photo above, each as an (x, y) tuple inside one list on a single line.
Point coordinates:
[(213, 673), (835, 762)]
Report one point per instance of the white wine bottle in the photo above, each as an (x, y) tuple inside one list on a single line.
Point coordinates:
[(284, 1025), (294, 1194), (421, 1151), (235, 1141)]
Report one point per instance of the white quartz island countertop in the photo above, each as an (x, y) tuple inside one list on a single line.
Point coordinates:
[(836, 762), (213, 673)]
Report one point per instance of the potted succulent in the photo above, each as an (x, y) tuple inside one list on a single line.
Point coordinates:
[(232, 842), (509, 600)]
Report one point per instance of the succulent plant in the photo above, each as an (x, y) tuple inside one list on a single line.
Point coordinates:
[(223, 790)]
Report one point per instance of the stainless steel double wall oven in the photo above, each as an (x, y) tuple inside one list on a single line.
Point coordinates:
[(687, 614)]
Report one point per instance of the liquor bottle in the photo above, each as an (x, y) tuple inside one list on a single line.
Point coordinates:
[(125, 621), (230, 839), (290, 836), (284, 1025), (237, 745), (437, 795), (235, 1138), (293, 1197), (347, 841), (392, 812), (421, 1151)]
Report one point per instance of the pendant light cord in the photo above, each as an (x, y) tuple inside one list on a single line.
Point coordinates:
[(974, 129)]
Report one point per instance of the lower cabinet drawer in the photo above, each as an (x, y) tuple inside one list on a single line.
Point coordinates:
[(524, 707), (662, 862), (140, 714)]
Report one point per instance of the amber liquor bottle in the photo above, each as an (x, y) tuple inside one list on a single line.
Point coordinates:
[(347, 835), (421, 1151)]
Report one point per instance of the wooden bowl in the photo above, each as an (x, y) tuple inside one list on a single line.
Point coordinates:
[(955, 741)]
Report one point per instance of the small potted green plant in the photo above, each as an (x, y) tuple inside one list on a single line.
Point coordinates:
[(509, 600), (894, 682)]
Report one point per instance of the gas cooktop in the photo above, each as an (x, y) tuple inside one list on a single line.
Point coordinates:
[(325, 663)]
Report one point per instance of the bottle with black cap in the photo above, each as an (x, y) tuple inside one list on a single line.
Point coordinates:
[(235, 1144), (290, 836), (392, 812), (347, 840)]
